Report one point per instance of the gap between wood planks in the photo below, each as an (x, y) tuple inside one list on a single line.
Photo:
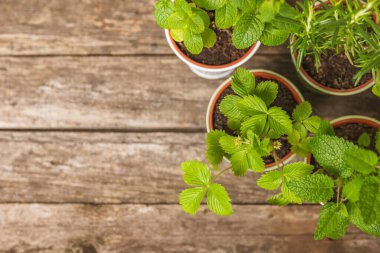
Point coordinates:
[(109, 130)]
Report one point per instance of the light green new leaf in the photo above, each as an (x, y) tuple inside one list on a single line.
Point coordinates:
[(377, 141), (214, 151), (325, 128), (252, 105), (211, 4), (204, 16), (244, 160), (243, 82), (230, 144), (209, 38), (301, 129), (272, 36), (218, 200), (245, 5), (357, 219), (328, 151), (191, 199), (376, 89), (351, 190), (247, 31), (361, 160), (333, 222), (268, 10), (279, 121), (369, 200), (196, 173), (177, 21), (256, 123), (303, 148), (229, 108), (278, 200), (364, 140), (297, 170), (225, 16), (271, 180), (177, 34), (302, 111), (313, 188), (267, 91), (193, 42), (163, 10), (288, 194), (182, 7), (195, 24), (312, 124)]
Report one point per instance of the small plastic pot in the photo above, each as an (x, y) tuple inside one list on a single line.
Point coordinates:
[(210, 71), (266, 74), (351, 119)]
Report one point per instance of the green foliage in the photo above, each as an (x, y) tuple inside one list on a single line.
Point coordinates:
[(248, 29), (361, 160), (356, 218), (351, 190), (369, 200), (195, 173), (364, 140), (377, 141), (214, 151), (218, 200)]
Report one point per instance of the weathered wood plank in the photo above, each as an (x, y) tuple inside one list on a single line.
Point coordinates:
[(139, 228), (59, 167), (55, 27), (129, 93)]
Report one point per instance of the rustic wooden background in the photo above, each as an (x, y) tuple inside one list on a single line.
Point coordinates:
[(96, 115)]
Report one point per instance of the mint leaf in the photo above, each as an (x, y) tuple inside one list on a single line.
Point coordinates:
[(244, 160), (211, 4), (214, 151), (225, 16), (272, 36), (218, 200), (228, 107), (177, 21), (351, 190), (357, 219), (267, 91), (361, 160), (271, 180), (297, 170), (190, 199), (245, 5), (163, 9), (312, 124), (369, 200), (196, 173), (377, 141), (333, 222), (268, 10), (177, 34), (230, 144), (203, 15), (328, 151), (256, 123), (313, 188), (325, 128), (247, 31), (193, 42), (252, 105), (278, 200), (195, 24), (182, 7), (302, 111), (364, 140), (279, 121), (243, 82), (209, 38)]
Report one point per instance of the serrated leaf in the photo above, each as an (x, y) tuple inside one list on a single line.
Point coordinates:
[(244, 160), (278, 200), (328, 151), (163, 10), (267, 91), (230, 144), (325, 128), (271, 180), (214, 151), (272, 36), (361, 160), (211, 4), (297, 170), (351, 190), (312, 124), (302, 111), (209, 38), (279, 120), (247, 31), (233, 124), (225, 16), (288, 194), (182, 7), (218, 200), (229, 108), (193, 42), (196, 173), (191, 199), (364, 140), (256, 123), (369, 200), (245, 5), (333, 222), (252, 105), (301, 129), (195, 24), (377, 141), (357, 219), (312, 188), (243, 82), (303, 148)]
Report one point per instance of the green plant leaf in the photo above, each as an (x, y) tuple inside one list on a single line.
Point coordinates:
[(204, 16), (214, 151), (182, 7), (302, 111), (195, 24), (297, 170), (364, 140), (230, 144), (177, 34), (268, 10), (252, 105), (351, 190), (325, 128), (376, 89), (225, 16), (196, 173), (377, 141), (233, 124), (193, 42), (191, 199), (357, 219), (272, 36), (328, 151), (218, 200), (229, 108), (177, 22), (312, 124), (301, 129), (288, 194), (361, 160), (279, 121), (278, 200), (333, 222), (243, 82), (313, 188), (271, 180), (302, 148), (209, 38), (247, 31), (244, 160), (245, 5), (211, 4), (369, 200), (163, 10), (267, 91), (256, 123)]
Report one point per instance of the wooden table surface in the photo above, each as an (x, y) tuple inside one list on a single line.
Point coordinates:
[(96, 115)]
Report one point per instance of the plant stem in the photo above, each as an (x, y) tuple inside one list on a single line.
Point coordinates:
[(220, 173)]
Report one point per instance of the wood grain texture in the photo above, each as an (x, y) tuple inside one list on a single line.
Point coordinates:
[(165, 228), (130, 93), (85, 27)]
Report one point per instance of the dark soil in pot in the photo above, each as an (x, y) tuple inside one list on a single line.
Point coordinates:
[(335, 71), (223, 52), (284, 99)]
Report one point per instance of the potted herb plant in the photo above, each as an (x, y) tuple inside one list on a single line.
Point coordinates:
[(215, 37), (334, 43)]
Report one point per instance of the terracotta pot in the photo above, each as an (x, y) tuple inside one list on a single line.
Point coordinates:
[(258, 73), (210, 71), (351, 119)]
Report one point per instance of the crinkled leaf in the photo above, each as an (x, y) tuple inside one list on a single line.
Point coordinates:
[(297, 170), (243, 82), (195, 173), (333, 221), (182, 7), (195, 24), (214, 151), (302, 111), (193, 42), (177, 21), (245, 5), (267, 91), (225, 16), (271, 180), (229, 108), (211, 4), (163, 10), (361, 160), (247, 31), (279, 120), (191, 199), (272, 36), (218, 200), (204, 16), (369, 200)]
